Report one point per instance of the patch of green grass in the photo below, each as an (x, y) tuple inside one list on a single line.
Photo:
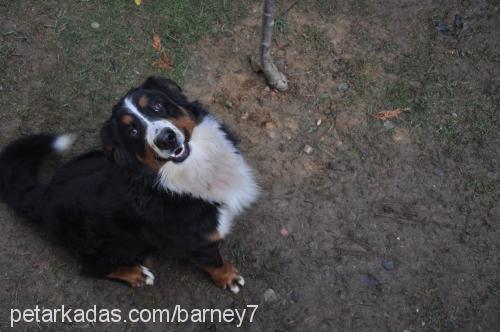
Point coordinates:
[(119, 52), (495, 288), (433, 314), (313, 37), (83, 68), (398, 94), (389, 46), (282, 30), (453, 112), (281, 26), (6, 50), (326, 7), (125, 30), (361, 7), (480, 190)]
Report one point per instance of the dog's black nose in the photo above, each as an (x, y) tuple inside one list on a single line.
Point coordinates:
[(166, 139)]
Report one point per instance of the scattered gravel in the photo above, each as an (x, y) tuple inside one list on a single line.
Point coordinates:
[(388, 124), (370, 281), (343, 87), (388, 265), (442, 27), (337, 165), (296, 296), (270, 295), (458, 22)]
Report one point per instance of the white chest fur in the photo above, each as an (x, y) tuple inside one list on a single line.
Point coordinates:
[(214, 171)]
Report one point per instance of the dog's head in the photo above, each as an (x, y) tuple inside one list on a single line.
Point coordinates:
[(151, 125)]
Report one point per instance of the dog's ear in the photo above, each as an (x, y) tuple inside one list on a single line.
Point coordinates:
[(162, 84), (111, 146), (107, 141)]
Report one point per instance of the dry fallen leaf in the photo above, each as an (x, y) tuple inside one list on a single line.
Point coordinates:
[(386, 115), (163, 62), (156, 42)]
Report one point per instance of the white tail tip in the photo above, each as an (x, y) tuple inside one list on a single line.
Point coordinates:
[(63, 142)]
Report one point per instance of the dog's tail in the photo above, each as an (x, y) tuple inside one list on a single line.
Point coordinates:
[(20, 162)]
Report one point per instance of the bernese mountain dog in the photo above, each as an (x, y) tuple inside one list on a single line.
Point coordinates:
[(169, 177)]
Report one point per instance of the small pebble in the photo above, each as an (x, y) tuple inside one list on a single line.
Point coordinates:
[(439, 172), (370, 281), (269, 125), (458, 22), (295, 296), (388, 265), (270, 130), (343, 87), (442, 27), (308, 149), (270, 295), (228, 104), (492, 174), (388, 124), (337, 165), (95, 25)]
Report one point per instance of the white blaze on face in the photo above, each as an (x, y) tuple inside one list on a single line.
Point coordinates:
[(153, 128)]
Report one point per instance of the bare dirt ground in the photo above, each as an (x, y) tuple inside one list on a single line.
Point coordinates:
[(362, 225)]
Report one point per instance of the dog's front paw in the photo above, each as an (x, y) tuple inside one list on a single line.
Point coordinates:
[(237, 284), (135, 276), (148, 276), (227, 276)]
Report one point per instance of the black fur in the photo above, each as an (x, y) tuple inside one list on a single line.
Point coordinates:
[(104, 204)]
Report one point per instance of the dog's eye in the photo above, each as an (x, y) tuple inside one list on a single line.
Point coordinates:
[(158, 107), (132, 131)]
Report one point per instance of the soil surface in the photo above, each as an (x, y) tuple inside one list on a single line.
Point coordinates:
[(362, 224)]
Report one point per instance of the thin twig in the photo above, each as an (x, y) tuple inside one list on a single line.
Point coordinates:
[(288, 9)]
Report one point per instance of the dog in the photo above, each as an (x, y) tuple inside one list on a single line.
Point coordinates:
[(169, 177)]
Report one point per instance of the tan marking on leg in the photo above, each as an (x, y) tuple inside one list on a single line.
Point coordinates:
[(214, 236), (223, 276), (130, 274)]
